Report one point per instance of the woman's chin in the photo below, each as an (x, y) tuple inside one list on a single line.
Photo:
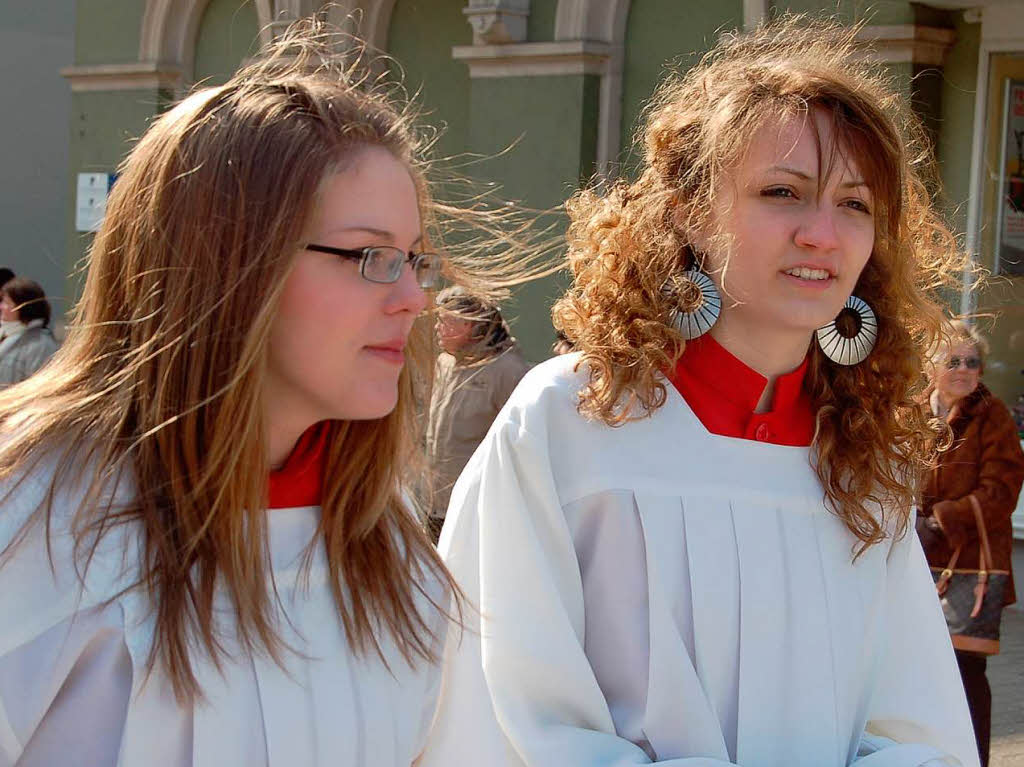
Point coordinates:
[(371, 407), (954, 393), (966, 391)]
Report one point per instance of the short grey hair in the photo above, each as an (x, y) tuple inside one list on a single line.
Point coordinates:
[(960, 331)]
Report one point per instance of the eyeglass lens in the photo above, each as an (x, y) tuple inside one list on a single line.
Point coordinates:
[(971, 363), (385, 264), (428, 270)]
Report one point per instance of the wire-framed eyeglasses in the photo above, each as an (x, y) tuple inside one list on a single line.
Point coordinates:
[(384, 264)]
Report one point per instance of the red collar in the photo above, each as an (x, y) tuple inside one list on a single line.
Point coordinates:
[(723, 392), (300, 481)]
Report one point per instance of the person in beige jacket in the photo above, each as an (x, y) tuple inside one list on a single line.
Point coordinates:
[(479, 366)]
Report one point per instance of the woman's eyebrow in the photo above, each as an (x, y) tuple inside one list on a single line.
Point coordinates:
[(792, 171), (382, 233), (807, 177)]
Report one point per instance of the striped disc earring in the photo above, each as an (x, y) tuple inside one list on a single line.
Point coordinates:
[(696, 303), (843, 345)]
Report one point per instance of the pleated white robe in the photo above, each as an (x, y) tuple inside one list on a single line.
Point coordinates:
[(73, 684), (658, 594)]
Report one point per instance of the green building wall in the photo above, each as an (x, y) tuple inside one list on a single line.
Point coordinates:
[(877, 12), (36, 41), (535, 136), (663, 35), (98, 41), (228, 34), (540, 27), (420, 40), (541, 158), (104, 125), (953, 148)]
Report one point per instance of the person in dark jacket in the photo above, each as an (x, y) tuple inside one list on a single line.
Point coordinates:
[(26, 342), (985, 460)]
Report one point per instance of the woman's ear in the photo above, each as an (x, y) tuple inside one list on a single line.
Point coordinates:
[(693, 236)]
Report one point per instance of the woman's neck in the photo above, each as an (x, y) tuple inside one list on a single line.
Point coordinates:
[(946, 401), (13, 327), (282, 436), (771, 354)]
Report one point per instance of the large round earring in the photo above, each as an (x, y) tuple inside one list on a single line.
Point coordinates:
[(697, 303), (846, 349)]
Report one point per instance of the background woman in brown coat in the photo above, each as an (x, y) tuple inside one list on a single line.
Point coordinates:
[(985, 460)]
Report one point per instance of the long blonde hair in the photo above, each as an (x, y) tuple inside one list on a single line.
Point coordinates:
[(626, 242), (162, 369)]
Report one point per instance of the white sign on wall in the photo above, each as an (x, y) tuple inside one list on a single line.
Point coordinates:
[(91, 201)]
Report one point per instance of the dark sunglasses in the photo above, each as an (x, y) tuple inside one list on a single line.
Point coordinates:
[(384, 264), (971, 363)]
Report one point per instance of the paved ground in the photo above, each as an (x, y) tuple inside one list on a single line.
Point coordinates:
[(1006, 675)]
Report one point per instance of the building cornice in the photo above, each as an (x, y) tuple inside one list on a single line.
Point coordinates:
[(908, 44), (136, 76), (566, 57)]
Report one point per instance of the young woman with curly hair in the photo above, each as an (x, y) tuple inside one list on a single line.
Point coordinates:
[(210, 552), (695, 553)]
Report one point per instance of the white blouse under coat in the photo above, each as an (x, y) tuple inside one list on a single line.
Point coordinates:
[(73, 687), (655, 593)]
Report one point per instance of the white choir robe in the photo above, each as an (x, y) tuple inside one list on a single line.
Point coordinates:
[(657, 594), (74, 688)]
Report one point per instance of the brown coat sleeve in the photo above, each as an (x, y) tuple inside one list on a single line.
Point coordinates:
[(1000, 472)]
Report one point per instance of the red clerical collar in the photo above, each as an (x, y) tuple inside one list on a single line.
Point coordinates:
[(300, 481), (723, 393)]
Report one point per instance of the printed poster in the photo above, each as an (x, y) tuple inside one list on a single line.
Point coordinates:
[(1010, 247)]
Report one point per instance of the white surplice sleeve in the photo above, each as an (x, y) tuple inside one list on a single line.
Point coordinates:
[(66, 691), (65, 671), (431, 694), (918, 713), (537, 702)]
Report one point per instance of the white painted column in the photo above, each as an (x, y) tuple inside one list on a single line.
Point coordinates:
[(754, 12)]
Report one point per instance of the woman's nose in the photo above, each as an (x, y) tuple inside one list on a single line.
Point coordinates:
[(817, 231), (406, 294)]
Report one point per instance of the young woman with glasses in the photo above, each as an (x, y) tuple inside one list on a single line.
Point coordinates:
[(688, 542), (209, 549)]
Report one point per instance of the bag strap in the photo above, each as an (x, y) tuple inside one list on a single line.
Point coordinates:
[(943, 582), (984, 557), (985, 552)]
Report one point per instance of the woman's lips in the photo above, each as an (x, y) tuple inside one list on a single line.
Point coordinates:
[(810, 284), (393, 353)]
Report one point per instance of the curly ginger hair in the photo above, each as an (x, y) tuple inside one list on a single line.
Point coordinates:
[(626, 242)]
